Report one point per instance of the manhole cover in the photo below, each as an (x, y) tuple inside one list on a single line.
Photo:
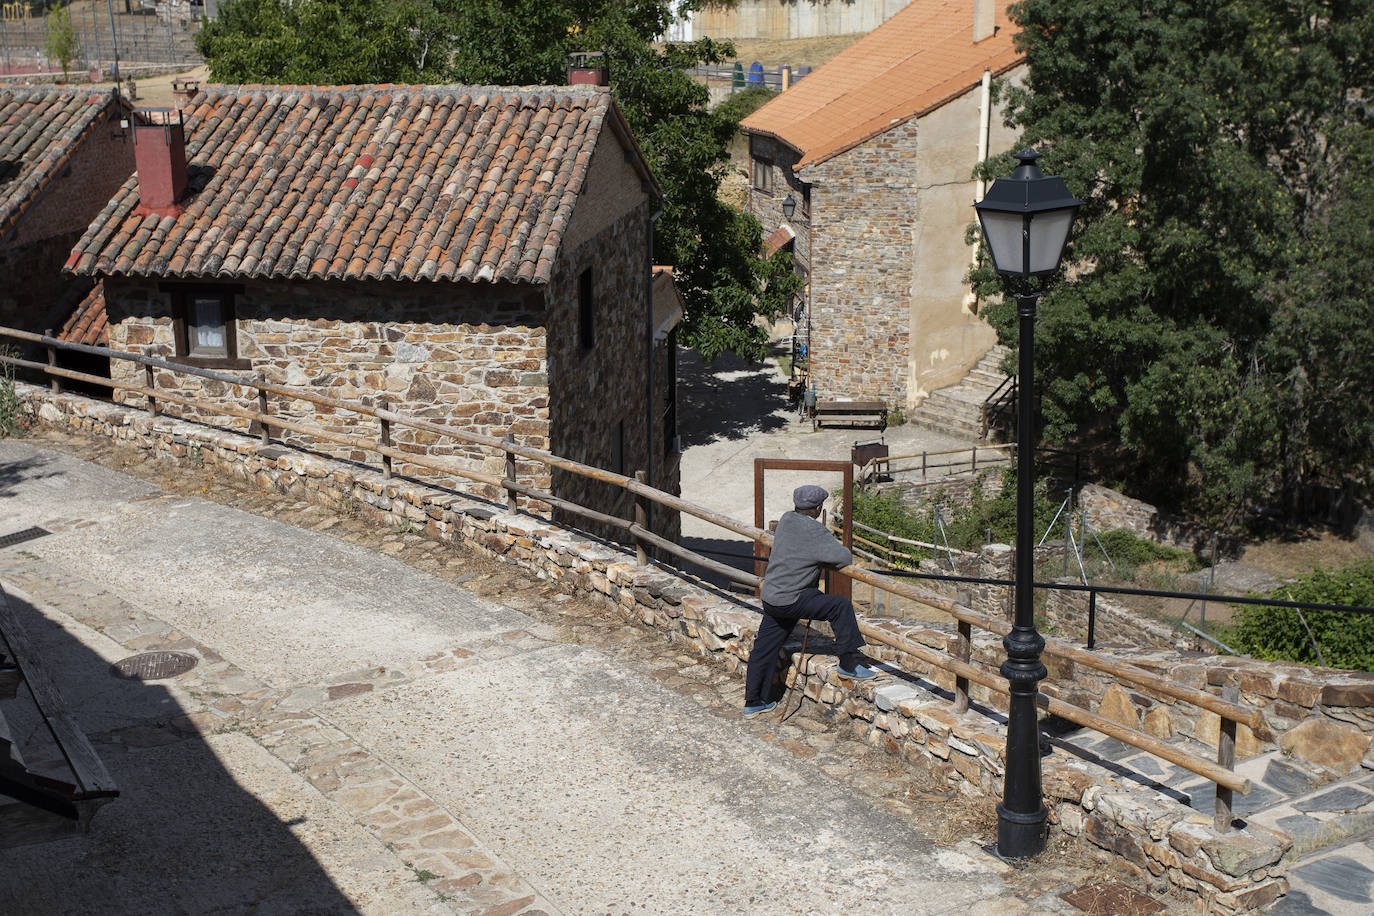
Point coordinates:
[(152, 666), (1111, 899), (19, 537)]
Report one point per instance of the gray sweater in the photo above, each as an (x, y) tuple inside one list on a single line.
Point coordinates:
[(801, 546)]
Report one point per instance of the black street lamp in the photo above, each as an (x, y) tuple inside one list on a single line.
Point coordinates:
[(789, 206), (1026, 220)]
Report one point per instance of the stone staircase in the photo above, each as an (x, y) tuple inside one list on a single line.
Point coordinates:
[(957, 409)]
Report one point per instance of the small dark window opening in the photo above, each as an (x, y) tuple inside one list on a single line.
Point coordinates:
[(669, 423), (763, 176), (205, 327), (586, 308), (806, 200)]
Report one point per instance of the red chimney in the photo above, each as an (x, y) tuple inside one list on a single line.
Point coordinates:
[(160, 156), (587, 68)]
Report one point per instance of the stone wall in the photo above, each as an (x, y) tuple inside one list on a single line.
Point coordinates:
[(779, 159), (96, 170), (469, 354), (1166, 844), (863, 209), (601, 414)]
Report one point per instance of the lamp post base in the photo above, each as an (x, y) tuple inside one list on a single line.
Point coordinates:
[(1020, 836)]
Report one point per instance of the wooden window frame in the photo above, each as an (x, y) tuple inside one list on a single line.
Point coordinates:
[(180, 294), (764, 168)]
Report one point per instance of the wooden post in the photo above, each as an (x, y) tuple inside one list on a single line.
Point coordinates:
[(54, 382), (151, 383), (642, 520), (963, 649), (264, 433), (1226, 757), (511, 495), (385, 438)]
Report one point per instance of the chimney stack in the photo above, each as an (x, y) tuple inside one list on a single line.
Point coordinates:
[(183, 91), (984, 16), (588, 68), (160, 156)]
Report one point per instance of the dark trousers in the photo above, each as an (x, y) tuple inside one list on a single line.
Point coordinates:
[(778, 623)]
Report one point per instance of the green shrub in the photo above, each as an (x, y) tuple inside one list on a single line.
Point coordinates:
[(1126, 548), (1346, 639), (15, 416), (742, 104)]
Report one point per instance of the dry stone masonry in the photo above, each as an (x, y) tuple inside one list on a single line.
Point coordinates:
[(1321, 720)]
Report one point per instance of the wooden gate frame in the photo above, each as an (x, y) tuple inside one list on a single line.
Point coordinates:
[(835, 583)]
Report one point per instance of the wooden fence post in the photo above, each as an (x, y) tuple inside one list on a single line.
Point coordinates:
[(385, 438), (963, 650), (642, 520), (150, 378), (511, 495), (263, 433), (54, 382), (1226, 757)]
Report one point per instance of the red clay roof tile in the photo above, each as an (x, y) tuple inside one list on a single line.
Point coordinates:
[(916, 61), (354, 182), (40, 129)]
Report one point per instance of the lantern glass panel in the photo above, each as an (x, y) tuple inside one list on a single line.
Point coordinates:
[(1049, 232), (1002, 230)]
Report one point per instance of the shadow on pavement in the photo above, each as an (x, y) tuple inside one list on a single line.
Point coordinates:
[(183, 836), (728, 399), (13, 473)]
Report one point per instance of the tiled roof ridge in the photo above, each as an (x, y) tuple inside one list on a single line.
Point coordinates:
[(293, 90), (427, 182), (29, 134)]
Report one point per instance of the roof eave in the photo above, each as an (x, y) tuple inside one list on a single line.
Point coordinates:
[(826, 156)]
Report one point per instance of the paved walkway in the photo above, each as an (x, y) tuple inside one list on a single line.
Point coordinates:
[(381, 724)]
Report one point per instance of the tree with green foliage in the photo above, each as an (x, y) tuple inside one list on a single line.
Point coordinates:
[(325, 42), (61, 43), (715, 250), (1213, 317), (1337, 639)]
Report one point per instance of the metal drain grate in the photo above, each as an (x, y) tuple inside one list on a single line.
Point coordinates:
[(19, 537), (153, 666)]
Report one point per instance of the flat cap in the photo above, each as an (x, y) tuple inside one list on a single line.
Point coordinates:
[(809, 496)]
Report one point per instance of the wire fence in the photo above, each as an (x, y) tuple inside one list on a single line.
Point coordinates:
[(143, 39)]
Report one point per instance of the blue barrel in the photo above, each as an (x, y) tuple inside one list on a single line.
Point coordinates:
[(756, 74)]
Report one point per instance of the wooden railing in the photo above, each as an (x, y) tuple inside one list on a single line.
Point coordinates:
[(966, 672), (971, 459)]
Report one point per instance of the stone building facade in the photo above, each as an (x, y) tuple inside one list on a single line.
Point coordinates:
[(879, 158), (546, 340), (63, 153)]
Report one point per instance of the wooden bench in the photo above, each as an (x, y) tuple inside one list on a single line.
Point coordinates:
[(44, 805), (850, 413)]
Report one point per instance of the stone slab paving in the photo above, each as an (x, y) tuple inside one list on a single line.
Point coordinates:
[(363, 734)]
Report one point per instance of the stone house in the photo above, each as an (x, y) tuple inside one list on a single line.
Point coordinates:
[(876, 150), (63, 153), (474, 255)]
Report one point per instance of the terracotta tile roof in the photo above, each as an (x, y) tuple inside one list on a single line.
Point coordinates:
[(776, 239), (88, 324), (40, 130), (364, 182), (921, 58)]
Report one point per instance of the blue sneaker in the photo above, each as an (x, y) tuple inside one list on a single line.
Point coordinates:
[(756, 709), (860, 673)]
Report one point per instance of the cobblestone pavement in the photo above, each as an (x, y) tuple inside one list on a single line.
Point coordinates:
[(484, 744)]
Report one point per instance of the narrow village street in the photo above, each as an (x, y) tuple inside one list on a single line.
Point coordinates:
[(379, 723)]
